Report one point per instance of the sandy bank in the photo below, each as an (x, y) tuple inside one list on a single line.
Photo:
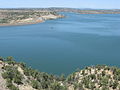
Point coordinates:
[(31, 20)]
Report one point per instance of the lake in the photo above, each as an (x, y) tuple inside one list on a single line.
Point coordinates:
[(63, 45)]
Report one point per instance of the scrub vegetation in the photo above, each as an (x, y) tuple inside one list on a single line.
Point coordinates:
[(19, 76)]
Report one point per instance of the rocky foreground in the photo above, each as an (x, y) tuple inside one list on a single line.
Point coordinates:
[(17, 76)]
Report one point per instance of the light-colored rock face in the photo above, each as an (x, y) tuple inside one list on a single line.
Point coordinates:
[(2, 81), (71, 87), (46, 17), (26, 87), (21, 70)]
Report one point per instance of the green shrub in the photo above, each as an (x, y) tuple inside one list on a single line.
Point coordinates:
[(10, 85), (35, 84), (13, 74), (115, 84), (56, 86)]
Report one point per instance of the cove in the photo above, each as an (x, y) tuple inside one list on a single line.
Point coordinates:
[(63, 45)]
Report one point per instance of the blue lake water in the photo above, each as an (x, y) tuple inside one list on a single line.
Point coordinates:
[(63, 45)]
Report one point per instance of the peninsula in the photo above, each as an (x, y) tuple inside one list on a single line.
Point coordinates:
[(25, 16)]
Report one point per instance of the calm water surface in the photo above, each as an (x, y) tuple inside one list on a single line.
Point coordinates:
[(63, 45)]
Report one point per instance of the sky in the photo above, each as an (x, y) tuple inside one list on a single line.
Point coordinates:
[(94, 4)]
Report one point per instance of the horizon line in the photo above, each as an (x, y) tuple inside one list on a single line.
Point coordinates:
[(51, 7)]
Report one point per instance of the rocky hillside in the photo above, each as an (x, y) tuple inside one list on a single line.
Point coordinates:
[(17, 76), (95, 78)]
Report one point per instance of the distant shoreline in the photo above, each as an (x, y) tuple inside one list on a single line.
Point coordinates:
[(16, 17)]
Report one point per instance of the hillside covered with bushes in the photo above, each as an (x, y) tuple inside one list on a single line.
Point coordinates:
[(18, 76)]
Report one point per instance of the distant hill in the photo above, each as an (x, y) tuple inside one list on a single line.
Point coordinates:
[(17, 76), (87, 10)]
